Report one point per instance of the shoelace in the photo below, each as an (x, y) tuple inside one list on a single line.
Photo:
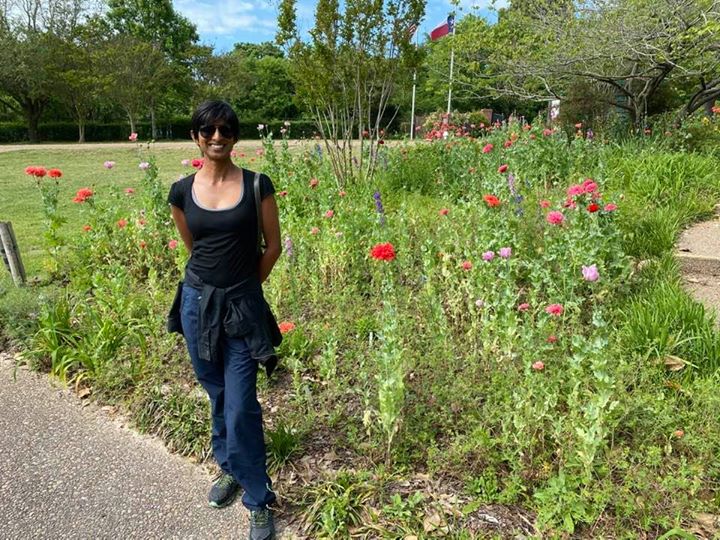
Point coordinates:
[(260, 518), (225, 481)]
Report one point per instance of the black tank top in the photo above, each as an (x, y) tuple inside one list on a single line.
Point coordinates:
[(224, 241)]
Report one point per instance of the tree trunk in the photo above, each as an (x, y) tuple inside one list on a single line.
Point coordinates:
[(81, 131), (33, 110), (708, 108), (132, 122), (153, 124)]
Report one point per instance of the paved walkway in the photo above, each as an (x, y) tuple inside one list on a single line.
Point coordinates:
[(71, 471)]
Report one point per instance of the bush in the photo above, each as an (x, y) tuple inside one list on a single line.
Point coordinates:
[(177, 128)]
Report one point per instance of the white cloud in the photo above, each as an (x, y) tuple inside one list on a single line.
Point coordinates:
[(480, 4), (224, 18)]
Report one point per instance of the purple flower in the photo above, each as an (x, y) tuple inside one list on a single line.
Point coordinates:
[(488, 256), (109, 164), (505, 252), (590, 273), (589, 135), (289, 248), (379, 207)]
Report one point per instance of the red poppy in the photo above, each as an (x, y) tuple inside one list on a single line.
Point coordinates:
[(491, 200), (54, 173), (314, 182), (444, 211), (39, 172), (121, 223), (592, 208), (383, 252), (502, 168), (197, 163), (82, 195), (87, 228), (286, 326)]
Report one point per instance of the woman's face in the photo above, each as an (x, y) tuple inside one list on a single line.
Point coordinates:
[(215, 140)]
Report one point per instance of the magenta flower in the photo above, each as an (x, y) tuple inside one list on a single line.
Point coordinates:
[(590, 273), (555, 217), (133, 137), (574, 190), (505, 252), (329, 214), (109, 164), (488, 256)]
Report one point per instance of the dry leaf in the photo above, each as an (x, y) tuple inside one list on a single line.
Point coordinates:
[(432, 522), (674, 363)]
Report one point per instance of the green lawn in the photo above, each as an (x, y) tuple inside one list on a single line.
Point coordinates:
[(81, 167)]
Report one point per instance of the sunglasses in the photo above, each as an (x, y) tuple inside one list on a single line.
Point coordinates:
[(209, 131)]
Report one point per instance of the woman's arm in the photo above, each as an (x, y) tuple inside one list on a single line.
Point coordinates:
[(271, 233), (179, 218)]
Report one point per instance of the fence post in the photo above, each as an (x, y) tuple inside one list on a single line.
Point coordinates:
[(11, 253)]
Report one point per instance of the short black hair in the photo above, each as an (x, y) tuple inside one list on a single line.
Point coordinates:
[(212, 112)]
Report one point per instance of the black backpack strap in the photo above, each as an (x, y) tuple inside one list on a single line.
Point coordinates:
[(256, 186)]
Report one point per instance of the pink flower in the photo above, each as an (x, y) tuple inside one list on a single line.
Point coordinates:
[(173, 244), (466, 265), (282, 193), (544, 204), (678, 433), (329, 214), (554, 309), (487, 148), (502, 168), (590, 273), (129, 191), (314, 230), (133, 137), (589, 186), (505, 252), (121, 223), (507, 144), (488, 256), (261, 127), (144, 165), (109, 164), (342, 193), (444, 211), (552, 338), (574, 190), (538, 366), (610, 207), (555, 217), (479, 303), (578, 125), (547, 132), (233, 153), (523, 307), (259, 152), (185, 162), (143, 244), (314, 182)]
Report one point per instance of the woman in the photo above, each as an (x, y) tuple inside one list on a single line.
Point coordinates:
[(226, 322)]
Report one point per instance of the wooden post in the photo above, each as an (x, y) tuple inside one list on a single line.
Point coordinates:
[(12, 253)]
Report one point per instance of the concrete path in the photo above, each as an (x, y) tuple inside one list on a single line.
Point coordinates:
[(699, 257), (71, 471)]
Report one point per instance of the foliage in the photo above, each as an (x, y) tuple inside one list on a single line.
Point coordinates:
[(347, 73), (508, 348)]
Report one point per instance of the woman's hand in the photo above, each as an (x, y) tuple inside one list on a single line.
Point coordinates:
[(271, 234), (179, 218)]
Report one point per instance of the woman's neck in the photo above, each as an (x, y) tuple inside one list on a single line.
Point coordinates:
[(217, 171)]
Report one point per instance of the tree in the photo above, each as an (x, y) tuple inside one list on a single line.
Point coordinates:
[(257, 84), (32, 33), (348, 71), (157, 23), (134, 73), (629, 46)]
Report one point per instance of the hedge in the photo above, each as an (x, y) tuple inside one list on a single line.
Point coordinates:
[(178, 129)]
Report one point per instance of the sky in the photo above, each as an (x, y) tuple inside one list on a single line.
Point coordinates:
[(222, 24)]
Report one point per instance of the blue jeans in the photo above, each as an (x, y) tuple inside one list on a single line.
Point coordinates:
[(237, 431)]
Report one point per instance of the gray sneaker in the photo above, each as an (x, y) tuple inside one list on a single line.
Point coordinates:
[(262, 525), (223, 491)]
